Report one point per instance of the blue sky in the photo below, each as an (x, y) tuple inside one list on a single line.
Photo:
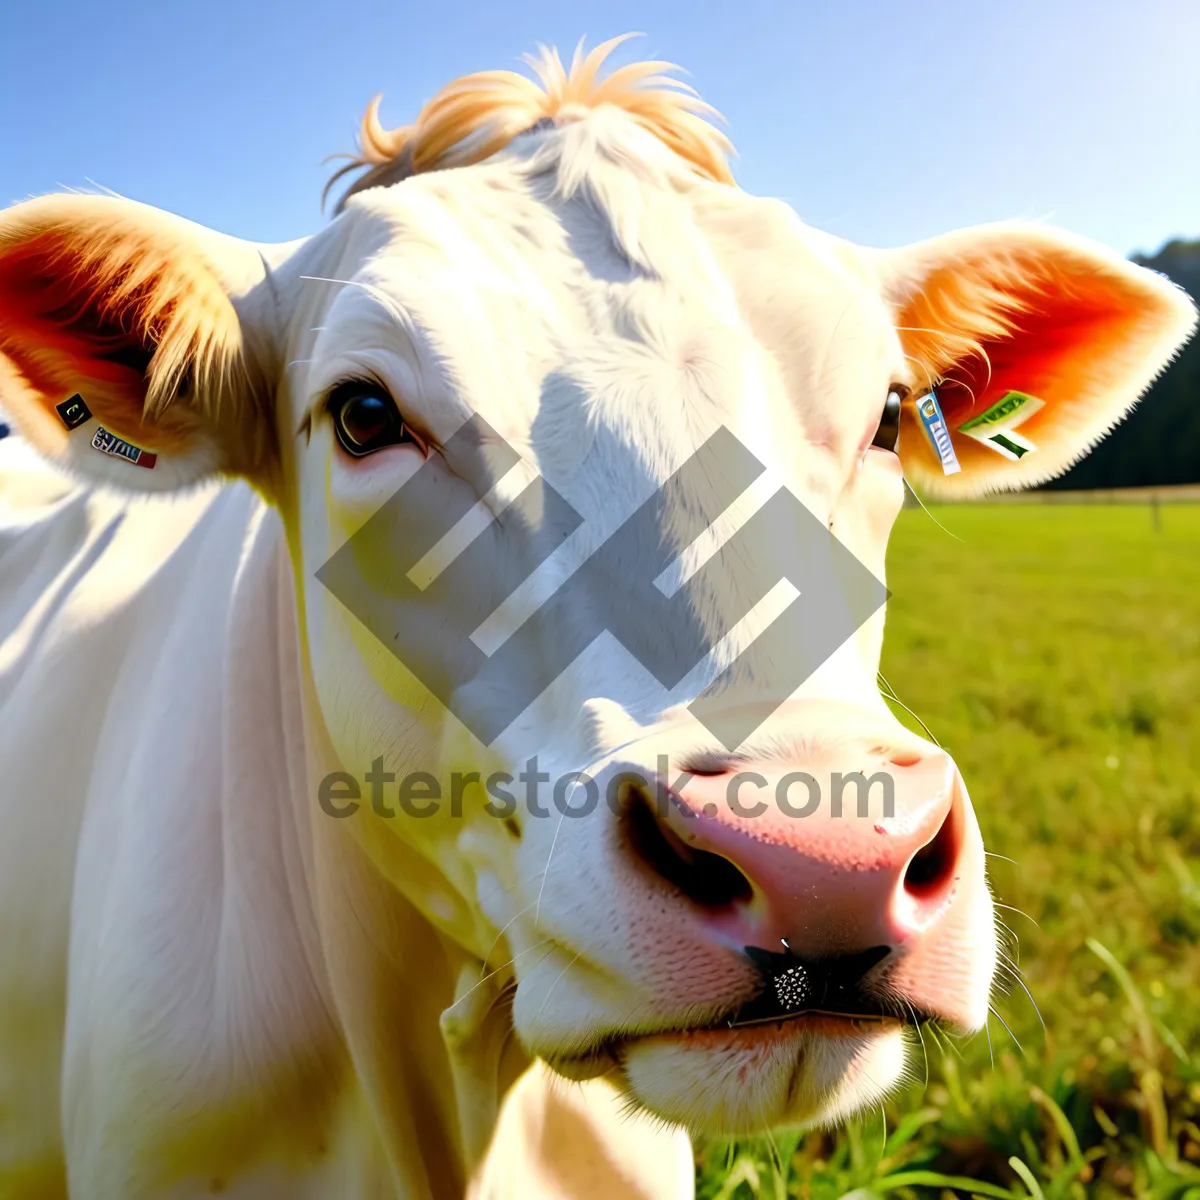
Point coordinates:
[(879, 120)]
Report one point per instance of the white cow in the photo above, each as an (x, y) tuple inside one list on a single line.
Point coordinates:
[(221, 972)]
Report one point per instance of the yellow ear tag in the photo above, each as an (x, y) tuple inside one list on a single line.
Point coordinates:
[(997, 428)]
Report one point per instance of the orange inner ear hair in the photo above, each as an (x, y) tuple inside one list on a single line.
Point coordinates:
[(1039, 357), (123, 313), (64, 337), (1016, 326)]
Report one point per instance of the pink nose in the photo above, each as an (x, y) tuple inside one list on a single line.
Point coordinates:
[(816, 860)]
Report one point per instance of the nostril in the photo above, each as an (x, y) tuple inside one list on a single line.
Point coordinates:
[(933, 866), (706, 879)]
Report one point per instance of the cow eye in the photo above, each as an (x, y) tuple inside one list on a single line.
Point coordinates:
[(887, 436), (365, 417)]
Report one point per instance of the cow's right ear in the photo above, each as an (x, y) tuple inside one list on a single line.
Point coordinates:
[(135, 347)]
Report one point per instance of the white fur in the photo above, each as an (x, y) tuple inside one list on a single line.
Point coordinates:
[(209, 984)]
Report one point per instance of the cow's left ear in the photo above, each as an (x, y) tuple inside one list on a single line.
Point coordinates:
[(134, 345), (1037, 343)]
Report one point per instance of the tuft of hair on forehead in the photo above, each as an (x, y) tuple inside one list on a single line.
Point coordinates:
[(478, 115)]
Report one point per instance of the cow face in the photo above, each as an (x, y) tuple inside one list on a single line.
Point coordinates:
[(723, 926)]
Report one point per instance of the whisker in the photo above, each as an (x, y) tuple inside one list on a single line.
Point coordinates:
[(475, 986), (555, 984), (891, 695), (546, 869), (550, 856), (987, 1029), (945, 1041), (1007, 960), (776, 1157), (329, 279), (1010, 942), (1007, 1030), (1020, 912), (1016, 973), (507, 926), (930, 515), (921, 1035), (389, 305)]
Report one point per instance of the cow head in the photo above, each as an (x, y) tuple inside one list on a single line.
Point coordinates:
[(591, 300)]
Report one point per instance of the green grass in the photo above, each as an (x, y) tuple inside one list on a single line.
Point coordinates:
[(1055, 651)]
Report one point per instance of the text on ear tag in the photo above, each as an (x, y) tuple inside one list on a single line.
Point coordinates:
[(930, 413), (109, 443), (73, 412)]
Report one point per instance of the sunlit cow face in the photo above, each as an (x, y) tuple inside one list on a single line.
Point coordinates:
[(606, 367), (738, 955)]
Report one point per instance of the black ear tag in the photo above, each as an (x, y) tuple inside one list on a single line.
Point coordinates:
[(73, 412)]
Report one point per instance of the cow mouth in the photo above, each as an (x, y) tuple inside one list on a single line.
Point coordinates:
[(758, 1021), (609, 1054), (842, 996)]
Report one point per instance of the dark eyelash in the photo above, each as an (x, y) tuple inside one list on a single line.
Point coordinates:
[(342, 391)]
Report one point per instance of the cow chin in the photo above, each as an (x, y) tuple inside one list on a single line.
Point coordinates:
[(726, 1082)]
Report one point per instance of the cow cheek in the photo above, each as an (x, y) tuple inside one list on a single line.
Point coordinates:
[(867, 508), (862, 521)]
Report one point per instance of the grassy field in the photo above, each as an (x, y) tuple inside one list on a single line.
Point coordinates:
[(1055, 651)]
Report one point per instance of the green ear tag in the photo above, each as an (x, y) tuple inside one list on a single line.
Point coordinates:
[(997, 428)]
